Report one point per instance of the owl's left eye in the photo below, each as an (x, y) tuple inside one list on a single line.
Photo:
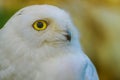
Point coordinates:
[(40, 25)]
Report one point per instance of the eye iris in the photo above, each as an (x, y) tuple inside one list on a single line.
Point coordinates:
[(40, 25)]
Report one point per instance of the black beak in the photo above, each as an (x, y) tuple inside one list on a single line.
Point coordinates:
[(68, 36)]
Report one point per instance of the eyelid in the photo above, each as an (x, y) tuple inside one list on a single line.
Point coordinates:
[(47, 20)]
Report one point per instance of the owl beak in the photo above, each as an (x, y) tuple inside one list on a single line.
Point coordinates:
[(68, 36)]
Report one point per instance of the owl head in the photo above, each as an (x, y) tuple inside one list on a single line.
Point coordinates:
[(38, 25)]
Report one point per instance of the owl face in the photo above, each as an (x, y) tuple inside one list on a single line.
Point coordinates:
[(38, 25)]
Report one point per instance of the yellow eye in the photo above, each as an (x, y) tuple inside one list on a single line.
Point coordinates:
[(40, 25)]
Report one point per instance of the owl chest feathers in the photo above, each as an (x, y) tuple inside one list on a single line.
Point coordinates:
[(48, 66)]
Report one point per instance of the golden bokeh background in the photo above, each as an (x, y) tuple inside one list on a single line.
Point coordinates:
[(99, 25)]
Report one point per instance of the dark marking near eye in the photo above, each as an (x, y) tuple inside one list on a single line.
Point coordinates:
[(20, 13)]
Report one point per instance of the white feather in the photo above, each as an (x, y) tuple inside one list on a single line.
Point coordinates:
[(27, 54)]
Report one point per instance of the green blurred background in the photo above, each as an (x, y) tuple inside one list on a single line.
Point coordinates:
[(98, 22)]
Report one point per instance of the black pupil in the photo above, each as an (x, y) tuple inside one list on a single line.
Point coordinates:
[(40, 24)]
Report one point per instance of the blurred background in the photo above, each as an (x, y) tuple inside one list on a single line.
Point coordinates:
[(99, 25)]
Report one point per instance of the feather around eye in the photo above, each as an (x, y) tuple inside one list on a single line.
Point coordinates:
[(40, 25)]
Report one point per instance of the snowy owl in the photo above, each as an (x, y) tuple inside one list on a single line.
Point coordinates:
[(40, 42)]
